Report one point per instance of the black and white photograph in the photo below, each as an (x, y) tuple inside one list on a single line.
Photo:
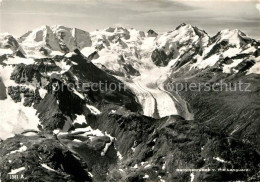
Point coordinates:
[(129, 90)]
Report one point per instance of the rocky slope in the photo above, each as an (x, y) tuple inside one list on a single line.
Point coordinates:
[(147, 128)]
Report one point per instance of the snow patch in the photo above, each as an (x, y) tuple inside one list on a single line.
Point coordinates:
[(220, 160), (135, 166), (20, 119), (164, 165), (119, 155), (90, 174), (103, 153), (203, 63), (15, 171), (87, 51), (93, 110), (113, 111), (21, 149), (86, 132), (5, 51), (47, 167), (146, 176), (78, 94), (56, 132), (147, 166), (42, 92), (64, 66), (192, 177), (18, 60), (30, 133), (80, 119), (76, 140)]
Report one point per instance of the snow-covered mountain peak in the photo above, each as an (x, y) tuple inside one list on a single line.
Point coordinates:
[(232, 32), (232, 45), (184, 25), (9, 45), (3, 35), (184, 34), (189, 28), (121, 49), (7, 41), (113, 34), (46, 39), (180, 45), (39, 38), (233, 37), (73, 38)]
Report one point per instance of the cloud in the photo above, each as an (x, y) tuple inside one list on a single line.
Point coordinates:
[(258, 6)]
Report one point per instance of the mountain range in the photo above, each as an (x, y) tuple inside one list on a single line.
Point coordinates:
[(147, 128)]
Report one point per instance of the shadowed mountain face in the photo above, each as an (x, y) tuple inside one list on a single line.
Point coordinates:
[(125, 105), (3, 91)]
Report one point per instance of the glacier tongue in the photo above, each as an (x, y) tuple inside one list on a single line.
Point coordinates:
[(155, 100)]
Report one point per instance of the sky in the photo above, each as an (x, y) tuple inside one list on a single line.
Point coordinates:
[(19, 16)]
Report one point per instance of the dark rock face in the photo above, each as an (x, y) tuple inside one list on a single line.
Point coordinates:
[(173, 143), (92, 56), (44, 160), (152, 33), (19, 53), (160, 58), (230, 134), (50, 114), (131, 70), (30, 96), (87, 72), (68, 102), (44, 51), (188, 56), (61, 43), (3, 95), (91, 152), (59, 107), (9, 42), (3, 58), (245, 65), (26, 73)]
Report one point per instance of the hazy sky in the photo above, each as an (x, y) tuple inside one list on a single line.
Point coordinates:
[(19, 16)]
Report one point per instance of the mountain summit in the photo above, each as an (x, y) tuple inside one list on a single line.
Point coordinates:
[(55, 38)]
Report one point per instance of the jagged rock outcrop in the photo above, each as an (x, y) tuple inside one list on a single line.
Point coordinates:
[(152, 33), (38, 157), (20, 93), (2, 90), (7, 41), (160, 58)]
